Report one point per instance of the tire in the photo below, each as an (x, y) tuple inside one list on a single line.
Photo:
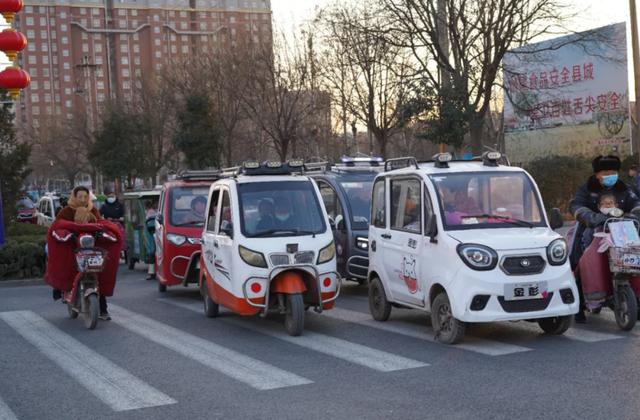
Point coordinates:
[(92, 311), (556, 325), (379, 306), (626, 308), (211, 309), (294, 319), (448, 329), (162, 288)]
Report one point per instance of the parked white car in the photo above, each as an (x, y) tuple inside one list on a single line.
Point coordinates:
[(267, 245), (468, 241), (47, 209)]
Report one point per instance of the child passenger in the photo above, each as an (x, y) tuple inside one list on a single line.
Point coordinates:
[(606, 203)]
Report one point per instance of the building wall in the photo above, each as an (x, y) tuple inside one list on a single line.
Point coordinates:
[(83, 52)]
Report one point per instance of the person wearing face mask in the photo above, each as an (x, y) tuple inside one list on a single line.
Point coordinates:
[(112, 209), (585, 206), (609, 207)]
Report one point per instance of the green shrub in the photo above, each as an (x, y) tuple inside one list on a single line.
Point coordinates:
[(558, 178), (14, 229), (22, 260)]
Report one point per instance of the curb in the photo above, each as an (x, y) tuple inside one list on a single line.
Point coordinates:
[(21, 283)]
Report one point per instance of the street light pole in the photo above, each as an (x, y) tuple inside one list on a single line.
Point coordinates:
[(636, 68)]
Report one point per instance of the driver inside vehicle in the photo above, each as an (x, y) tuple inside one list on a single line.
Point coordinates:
[(198, 207), (267, 220), (457, 204), (283, 210)]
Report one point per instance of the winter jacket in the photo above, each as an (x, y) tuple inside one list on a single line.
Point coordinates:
[(112, 211)]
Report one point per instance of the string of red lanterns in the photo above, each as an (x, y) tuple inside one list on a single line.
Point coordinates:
[(13, 78)]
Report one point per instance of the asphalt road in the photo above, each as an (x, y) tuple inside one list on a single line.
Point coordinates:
[(160, 358)]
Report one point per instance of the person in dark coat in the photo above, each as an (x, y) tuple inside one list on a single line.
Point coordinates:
[(112, 209), (584, 207)]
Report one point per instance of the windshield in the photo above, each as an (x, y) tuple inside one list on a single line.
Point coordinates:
[(358, 194), (283, 208), (479, 200), (25, 203), (187, 206)]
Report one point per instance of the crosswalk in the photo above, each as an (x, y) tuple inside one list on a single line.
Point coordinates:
[(121, 391)]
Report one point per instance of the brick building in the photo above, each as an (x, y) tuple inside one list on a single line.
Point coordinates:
[(83, 52)]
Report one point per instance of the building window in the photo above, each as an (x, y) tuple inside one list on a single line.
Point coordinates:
[(66, 65), (134, 23), (183, 14), (43, 21), (83, 11), (183, 25), (158, 54), (203, 26), (96, 23), (32, 59), (67, 103), (125, 73), (157, 42), (85, 35), (100, 97), (65, 53), (156, 30), (48, 108), (67, 91), (33, 72), (34, 85), (185, 49), (63, 28), (100, 84), (122, 12), (185, 38), (65, 40), (32, 47), (172, 13), (126, 85), (44, 34), (97, 48), (95, 12), (52, 22), (134, 12), (34, 97), (174, 49), (156, 18), (35, 110), (47, 85), (98, 59), (45, 59), (232, 19), (28, 9), (31, 35), (173, 37), (47, 97), (99, 73), (29, 21), (63, 15), (136, 48), (136, 37), (136, 60), (122, 24), (45, 72), (124, 48), (54, 34)]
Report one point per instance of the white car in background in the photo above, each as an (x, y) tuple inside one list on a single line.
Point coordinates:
[(47, 209)]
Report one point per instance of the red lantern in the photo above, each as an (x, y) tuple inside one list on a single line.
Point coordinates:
[(12, 42), (9, 8), (13, 79)]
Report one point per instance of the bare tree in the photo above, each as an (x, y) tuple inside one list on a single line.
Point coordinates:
[(372, 76), (479, 33)]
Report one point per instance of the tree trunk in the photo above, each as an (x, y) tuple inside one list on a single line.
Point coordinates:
[(476, 127)]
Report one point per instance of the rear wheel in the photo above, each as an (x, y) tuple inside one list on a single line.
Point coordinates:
[(556, 325), (73, 313), (92, 311), (448, 329), (211, 309), (626, 309), (379, 306), (294, 319), (162, 287)]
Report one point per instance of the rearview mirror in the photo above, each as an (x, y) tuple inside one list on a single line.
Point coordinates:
[(432, 227), (555, 218), (226, 228)]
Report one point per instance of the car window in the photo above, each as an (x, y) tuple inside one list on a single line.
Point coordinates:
[(378, 215), (225, 205), (331, 201), (213, 210), (187, 205), (406, 207), (358, 193)]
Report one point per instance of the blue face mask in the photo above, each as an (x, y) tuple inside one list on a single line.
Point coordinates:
[(609, 180)]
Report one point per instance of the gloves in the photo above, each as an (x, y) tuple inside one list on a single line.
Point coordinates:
[(592, 219)]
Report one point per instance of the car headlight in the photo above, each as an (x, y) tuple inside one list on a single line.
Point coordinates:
[(87, 241), (362, 243), (253, 258), (478, 257), (176, 239), (327, 253), (557, 252)]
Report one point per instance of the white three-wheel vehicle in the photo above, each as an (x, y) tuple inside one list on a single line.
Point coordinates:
[(468, 241), (267, 244)]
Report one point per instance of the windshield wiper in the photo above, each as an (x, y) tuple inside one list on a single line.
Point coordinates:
[(293, 231), (192, 223), (505, 219)]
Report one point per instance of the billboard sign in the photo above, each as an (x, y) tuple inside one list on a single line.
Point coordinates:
[(568, 96)]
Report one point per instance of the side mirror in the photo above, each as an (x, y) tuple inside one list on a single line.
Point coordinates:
[(340, 225), (160, 218), (332, 223), (555, 218), (432, 228), (226, 228)]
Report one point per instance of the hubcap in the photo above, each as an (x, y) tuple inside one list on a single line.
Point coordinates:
[(444, 318)]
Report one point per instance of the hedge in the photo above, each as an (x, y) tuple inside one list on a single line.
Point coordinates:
[(23, 254)]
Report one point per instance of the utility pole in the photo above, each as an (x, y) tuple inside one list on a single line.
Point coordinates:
[(443, 44), (635, 141)]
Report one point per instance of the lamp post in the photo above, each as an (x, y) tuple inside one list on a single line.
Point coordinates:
[(354, 130)]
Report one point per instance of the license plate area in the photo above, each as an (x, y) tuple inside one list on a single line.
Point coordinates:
[(522, 291), (631, 260)]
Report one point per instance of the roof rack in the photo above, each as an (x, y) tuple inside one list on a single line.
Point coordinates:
[(401, 162), (199, 175), (317, 167), (266, 168)]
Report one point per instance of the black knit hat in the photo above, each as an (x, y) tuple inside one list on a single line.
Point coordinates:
[(606, 163)]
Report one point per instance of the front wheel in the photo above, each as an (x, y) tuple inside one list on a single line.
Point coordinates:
[(294, 319), (92, 310), (448, 329), (211, 309), (626, 308), (556, 325), (379, 306), (73, 313), (162, 288)]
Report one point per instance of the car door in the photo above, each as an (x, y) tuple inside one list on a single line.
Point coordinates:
[(403, 241), (48, 212), (223, 243), (40, 213), (159, 234), (209, 232), (335, 210)]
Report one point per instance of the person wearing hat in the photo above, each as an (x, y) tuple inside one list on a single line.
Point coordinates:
[(585, 206)]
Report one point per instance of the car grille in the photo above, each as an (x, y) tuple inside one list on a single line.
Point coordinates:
[(279, 259), (523, 265), (525, 305), (305, 257)]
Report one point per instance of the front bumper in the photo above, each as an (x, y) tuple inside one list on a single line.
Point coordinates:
[(469, 284)]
